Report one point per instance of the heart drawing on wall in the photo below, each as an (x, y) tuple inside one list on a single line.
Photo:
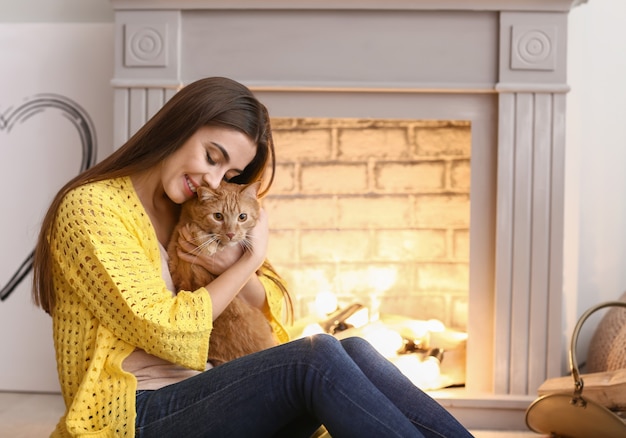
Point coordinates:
[(60, 111)]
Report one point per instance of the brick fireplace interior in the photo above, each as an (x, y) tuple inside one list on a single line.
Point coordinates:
[(374, 210), (420, 142)]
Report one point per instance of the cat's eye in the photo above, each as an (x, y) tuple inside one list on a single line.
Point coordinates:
[(218, 216), (243, 217)]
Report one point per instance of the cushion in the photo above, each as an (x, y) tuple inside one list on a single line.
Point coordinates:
[(607, 349)]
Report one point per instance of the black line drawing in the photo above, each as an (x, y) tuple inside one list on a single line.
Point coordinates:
[(83, 124)]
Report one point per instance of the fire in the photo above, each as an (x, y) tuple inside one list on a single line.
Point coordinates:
[(409, 344)]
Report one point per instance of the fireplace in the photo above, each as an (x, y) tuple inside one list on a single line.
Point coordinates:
[(496, 66)]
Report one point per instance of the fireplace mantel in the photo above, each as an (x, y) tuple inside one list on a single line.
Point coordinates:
[(500, 64), (459, 5)]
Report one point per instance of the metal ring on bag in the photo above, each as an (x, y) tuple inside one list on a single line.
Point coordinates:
[(560, 414), (573, 365)]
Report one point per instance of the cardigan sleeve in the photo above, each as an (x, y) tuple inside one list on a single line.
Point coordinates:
[(275, 300), (108, 253)]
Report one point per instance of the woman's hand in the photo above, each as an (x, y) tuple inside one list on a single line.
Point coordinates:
[(259, 237), (216, 263)]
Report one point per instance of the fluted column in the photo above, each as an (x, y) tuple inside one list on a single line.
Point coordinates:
[(529, 234)]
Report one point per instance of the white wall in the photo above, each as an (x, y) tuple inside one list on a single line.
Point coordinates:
[(57, 63), (595, 223), (47, 11)]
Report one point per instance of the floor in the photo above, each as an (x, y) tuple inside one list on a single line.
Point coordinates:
[(28, 415)]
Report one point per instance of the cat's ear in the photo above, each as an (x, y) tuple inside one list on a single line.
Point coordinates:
[(252, 190), (206, 193)]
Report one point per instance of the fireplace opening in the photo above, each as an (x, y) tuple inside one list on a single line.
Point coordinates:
[(370, 221)]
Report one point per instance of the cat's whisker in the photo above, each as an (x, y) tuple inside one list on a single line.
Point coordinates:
[(246, 244), (197, 250), (203, 241), (200, 240)]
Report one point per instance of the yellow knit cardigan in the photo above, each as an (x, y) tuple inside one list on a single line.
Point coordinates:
[(111, 298)]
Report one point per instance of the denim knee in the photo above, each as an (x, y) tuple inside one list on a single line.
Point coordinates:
[(323, 346), (355, 343)]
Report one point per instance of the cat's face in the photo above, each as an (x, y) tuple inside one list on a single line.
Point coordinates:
[(224, 216)]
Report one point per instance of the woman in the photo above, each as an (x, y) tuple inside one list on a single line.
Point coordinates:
[(131, 353)]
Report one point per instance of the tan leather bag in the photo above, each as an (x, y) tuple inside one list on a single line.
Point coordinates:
[(562, 411)]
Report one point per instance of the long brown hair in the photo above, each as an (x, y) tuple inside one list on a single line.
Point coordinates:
[(207, 102)]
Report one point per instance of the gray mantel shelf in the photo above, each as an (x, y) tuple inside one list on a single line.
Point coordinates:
[(459, 5)]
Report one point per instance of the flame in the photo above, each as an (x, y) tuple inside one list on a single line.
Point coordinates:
[(382, 279), (423, 373), (325, 303)]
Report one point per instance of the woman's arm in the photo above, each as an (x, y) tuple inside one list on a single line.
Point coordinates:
[(108, 261)]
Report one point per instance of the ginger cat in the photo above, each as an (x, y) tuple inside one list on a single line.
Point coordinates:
[(216, 219)]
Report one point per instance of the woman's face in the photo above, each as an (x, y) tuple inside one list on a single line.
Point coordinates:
[(209, 156)]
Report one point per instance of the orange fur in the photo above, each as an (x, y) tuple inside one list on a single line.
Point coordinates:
[(215, 219)]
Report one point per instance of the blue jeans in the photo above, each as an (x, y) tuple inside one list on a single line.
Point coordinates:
[(289, 390)]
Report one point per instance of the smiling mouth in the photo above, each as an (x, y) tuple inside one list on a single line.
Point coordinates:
[(190, 184)]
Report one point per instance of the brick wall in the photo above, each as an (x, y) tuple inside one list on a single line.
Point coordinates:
[(374, 209)]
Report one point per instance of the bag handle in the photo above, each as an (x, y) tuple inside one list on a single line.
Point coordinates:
[(578, 380)]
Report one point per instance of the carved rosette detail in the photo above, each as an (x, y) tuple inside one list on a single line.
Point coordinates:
[(145, 46), (533, 48)]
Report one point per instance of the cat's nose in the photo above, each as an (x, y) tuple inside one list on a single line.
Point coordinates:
[(230, 235)]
